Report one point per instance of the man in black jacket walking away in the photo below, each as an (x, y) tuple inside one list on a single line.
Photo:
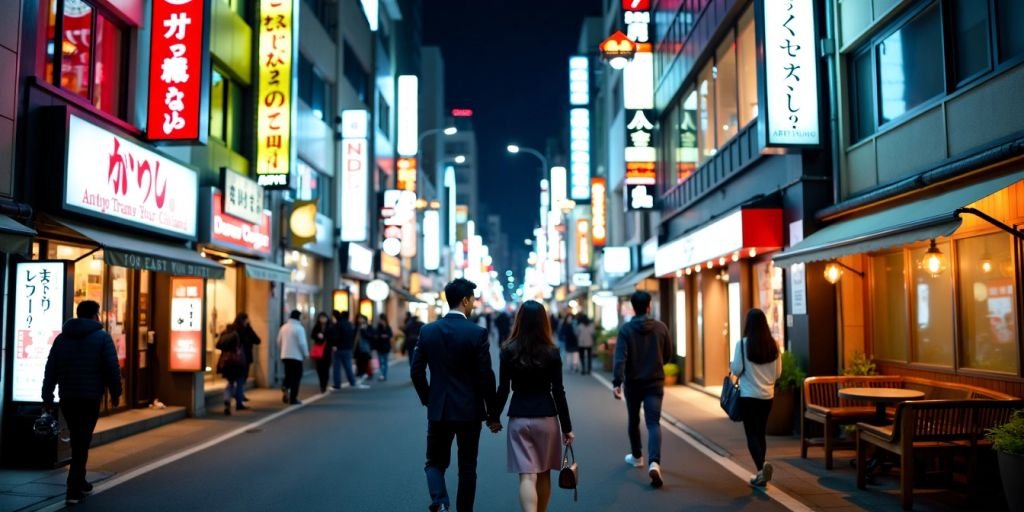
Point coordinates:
[(458, 396), (641, 352), (83, 362)]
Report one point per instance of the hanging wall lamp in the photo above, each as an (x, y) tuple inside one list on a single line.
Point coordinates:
[(834, 271), (933, 262)]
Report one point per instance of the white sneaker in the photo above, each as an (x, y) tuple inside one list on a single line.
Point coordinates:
[(636, 462), (360, 385), (655, 473)]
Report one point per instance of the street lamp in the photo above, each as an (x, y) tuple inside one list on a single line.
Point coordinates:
[(514, 149), (448, 130)]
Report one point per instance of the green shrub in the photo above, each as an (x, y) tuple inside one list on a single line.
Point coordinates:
[(792, 375), (861, 365), (1009, 437), (671, 369)]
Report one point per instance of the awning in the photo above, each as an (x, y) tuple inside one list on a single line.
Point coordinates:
[(627, 285), (743, 233), (134, 251), (405, 294), (265, 270), (904, 224), (15, 238)]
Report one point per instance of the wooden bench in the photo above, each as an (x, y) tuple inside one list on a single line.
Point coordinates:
[(932, 425), (822, 405)]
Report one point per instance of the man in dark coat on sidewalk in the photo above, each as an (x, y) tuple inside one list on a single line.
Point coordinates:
[(83, 362), (458, 396)]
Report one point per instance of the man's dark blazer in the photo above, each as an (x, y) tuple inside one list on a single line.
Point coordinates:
[(462, 384)]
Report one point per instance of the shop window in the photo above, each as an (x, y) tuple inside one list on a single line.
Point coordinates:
[(889, 305), (971, 38), (768, 289), (726, 99), (932, 329), (862, 94), (910, 65), (746, 63), (988, 312), (355, 73), (90, 270), (686, 152), (705, 113), (88, 58), (314, 90), (221, 309), (1010, 19)]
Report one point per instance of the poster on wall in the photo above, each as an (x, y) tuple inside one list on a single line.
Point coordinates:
[(186, 344), (41, 303)]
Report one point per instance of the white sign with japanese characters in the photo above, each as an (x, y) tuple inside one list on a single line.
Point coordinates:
[(791, 73), (38, 318), (243, 197)]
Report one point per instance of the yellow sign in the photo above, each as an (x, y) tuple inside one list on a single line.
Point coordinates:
[(407, 174), (274, 101)]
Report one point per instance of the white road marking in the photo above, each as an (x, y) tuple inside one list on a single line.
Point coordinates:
[(730, 465), (157, 464)]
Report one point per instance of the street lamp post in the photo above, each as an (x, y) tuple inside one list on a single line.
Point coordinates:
[(514, 149)]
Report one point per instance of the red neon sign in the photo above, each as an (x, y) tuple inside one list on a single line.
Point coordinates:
[(636, 5), (462, 112), (237, 232), (175, 69)]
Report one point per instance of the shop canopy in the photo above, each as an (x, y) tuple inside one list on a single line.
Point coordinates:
[(405, 294), (264, 270), (14, 237), (925, 219), (627, 285), (133, 251)]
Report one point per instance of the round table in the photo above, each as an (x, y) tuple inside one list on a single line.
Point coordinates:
[(880, 397)]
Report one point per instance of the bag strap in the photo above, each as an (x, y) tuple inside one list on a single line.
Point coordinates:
[(565, 463), (743, 356)]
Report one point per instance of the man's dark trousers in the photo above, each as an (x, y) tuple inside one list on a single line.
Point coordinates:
[(292, 378), (649, 395), (81, 415), (439, 453)]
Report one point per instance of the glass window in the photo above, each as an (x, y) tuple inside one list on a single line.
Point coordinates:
[(705, 113), (218, 106), (383, 114), (75, 47), (970, 21), (862, 95), (686, 152), (910, 64), (889, 301), (108, 67), (89, 54), (746, 60), (356, 74), (221, 309), (987, 303), (236, 107), (932, 330), (725, 91), (1010, 19)]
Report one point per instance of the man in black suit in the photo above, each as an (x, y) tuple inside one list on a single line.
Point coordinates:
[(458, 396)]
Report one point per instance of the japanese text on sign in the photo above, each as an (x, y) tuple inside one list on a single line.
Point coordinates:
[(38, 317), (175, 69), (243, 198), (186, 324), (274, 103), (791, 73)]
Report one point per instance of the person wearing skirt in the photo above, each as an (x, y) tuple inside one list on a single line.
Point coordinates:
[(539, 424)]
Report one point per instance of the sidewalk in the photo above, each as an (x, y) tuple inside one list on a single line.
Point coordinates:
[(26, 489), (699, 415)]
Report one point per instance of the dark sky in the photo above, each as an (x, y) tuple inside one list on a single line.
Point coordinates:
[(508, 61)]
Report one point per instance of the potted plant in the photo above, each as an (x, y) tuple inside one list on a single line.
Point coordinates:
[(787, 392), (1008, 441), (861, 365), (606, 347), (671, 374)]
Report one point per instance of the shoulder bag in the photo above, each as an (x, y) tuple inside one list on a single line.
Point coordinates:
[(730, 400), (568, 476)]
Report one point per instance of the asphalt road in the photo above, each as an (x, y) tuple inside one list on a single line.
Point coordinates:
[(363, 450)]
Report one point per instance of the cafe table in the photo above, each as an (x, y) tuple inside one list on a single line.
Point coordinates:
[(881, 397)]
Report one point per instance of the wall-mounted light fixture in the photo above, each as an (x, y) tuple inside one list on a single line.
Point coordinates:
[(834, 271), (933, 261)]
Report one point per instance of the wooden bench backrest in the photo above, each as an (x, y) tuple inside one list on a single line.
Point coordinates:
[(951, 420), (824, 391)]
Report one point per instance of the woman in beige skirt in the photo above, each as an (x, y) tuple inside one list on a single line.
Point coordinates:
[(532, 369)]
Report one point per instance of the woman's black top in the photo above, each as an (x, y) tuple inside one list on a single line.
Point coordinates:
[(537, 391), (327, 330)]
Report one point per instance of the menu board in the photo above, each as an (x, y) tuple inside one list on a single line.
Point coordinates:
[(39, 295)]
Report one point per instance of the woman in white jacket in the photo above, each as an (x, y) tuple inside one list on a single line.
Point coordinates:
[(758, 363)]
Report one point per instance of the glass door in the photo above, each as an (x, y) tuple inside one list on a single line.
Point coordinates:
[(144, 362), (114, 316)]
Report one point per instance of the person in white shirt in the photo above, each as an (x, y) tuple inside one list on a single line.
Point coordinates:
[(758, 363), (292, 345)]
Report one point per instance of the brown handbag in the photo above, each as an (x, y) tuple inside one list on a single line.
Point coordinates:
[(568, 476)]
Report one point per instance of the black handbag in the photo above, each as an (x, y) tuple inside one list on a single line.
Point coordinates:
[(568, 476), (730, 400)]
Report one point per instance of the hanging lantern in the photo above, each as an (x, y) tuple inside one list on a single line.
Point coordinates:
[(618, 50), (833, 272), (933, 261)]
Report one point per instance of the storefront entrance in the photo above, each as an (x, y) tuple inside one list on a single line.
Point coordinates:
[(711, 349)]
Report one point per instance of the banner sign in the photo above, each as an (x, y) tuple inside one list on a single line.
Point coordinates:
[(239, 233), (243, 197), (39, 313), (176, 70), (791, 73), (599, 211), (186, 344), (274, 103), (114, 178), (355, 176)]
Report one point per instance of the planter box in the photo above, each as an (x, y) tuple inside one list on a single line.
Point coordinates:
[(780, 419)]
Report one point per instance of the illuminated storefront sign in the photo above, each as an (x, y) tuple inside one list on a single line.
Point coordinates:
[(582, 279), (579, 154), (408, 116), (559, 183), (462, 112), (39, 312), (355, 176), (639, 189), (243, 197), (360, 260), (176, 70), (431, 240), (583, 245), (638, 100), (599, 211), (228, 230), (791, 74), (340, 301), (744, 233), (390, 265), (274, 103), (579, 80), (398, 212), (406, 174), (114, 178), (186, 343), (617, 260)]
